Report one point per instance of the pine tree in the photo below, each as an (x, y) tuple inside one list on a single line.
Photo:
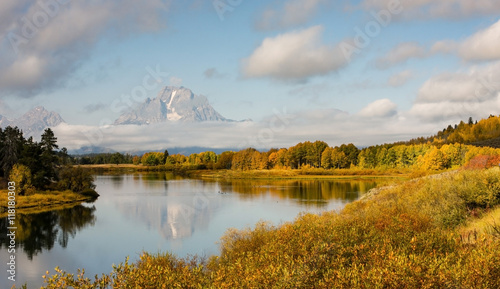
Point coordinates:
[(48, 159), (11, 140)]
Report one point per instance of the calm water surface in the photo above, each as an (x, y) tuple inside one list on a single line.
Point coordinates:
[(160, 212)]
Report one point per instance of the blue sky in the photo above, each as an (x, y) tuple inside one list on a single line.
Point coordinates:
[(415, 67)]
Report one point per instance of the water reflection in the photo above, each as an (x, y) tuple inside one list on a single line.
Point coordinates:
[(313, 192), (177, 207), (36, 232)]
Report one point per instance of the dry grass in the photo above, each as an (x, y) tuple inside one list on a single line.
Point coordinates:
[(487, 223), (41, 201)]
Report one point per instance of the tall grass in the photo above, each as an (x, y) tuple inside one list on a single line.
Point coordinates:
[(406, 236)]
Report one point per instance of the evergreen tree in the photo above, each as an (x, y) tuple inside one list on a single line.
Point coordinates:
[(11, 140), (48, 159)]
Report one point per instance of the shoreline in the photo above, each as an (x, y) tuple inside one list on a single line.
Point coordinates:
[(258, 174), (42, 201)]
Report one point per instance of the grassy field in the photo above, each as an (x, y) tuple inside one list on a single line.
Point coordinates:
[(432, 232), (42, 201)]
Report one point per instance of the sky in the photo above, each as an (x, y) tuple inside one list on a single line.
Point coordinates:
[(364, 72)]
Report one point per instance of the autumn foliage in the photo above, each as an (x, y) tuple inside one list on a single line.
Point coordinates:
[(483, 162), (406, 236)]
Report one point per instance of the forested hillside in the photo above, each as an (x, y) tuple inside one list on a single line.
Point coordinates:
[(482, 133)]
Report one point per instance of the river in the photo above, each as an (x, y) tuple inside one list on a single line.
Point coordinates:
[(159, 212)]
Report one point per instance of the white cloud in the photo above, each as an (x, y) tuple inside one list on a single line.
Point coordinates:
[(480, 83), (293, 13), (400, 54), (460, 94), (379, 109), (483, 45), (424, 9), (282, 129), (55, 36), (453, 112), (24, 72), (400, 78), (294, 56)]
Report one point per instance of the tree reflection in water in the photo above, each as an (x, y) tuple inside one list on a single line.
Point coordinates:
[(39, 231)]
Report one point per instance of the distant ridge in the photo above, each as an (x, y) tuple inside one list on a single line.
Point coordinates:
[(34, 122)]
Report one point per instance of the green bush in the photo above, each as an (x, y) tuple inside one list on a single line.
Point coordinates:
[(480, 188), (75, 179)]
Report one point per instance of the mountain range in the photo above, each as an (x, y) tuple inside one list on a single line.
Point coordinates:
[(171, 105), (34, 122)]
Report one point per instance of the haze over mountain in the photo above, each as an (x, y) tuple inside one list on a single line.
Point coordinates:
[(172, 104), (34, 122)]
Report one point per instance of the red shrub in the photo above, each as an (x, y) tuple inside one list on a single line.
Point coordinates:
[(482, 162)]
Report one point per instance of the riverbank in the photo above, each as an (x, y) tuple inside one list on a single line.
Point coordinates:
[(299, 174), (273, 174), (423, 233), (42, 201)]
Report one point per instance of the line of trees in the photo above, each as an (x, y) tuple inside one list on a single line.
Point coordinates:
[(103, 158), (38, 165), (319, 155), (444, 150)]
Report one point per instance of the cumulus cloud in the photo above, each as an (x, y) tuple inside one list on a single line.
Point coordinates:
[(460, 94), (293, 13), (379, 109), (453, 9), (483, 45), (400, 54), (295, 55), (52, 38), (400, 78)]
